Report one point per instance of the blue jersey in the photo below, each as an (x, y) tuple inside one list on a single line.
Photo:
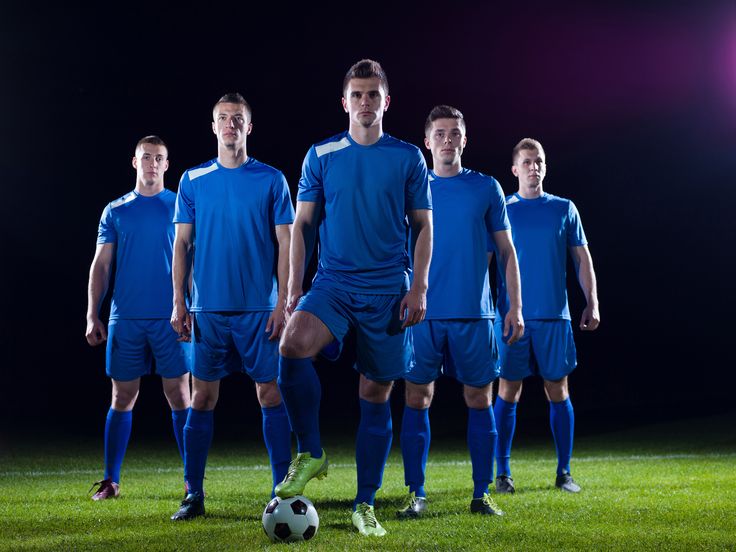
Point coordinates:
[(467, 208), (365, 193), (234, 212), (143, 234), (542, 230)]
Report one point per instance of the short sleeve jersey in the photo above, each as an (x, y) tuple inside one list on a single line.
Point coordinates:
[(365, 193), (543, 229), (234, 212), (141, 229), (467, 208)]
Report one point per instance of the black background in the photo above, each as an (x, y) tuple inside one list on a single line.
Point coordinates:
[(635, 105)]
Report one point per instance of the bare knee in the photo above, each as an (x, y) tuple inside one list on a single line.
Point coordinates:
[(374, 391), (509, 391), (205, 394), (478, 397), (304, 336), (557, 391), (124, 394), (419, 396), (268, 394), (177, 392)]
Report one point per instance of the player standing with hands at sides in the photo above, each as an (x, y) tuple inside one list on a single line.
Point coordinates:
[(239, 212), (457, 336), (358, 188), (544, 228), (136, 230)]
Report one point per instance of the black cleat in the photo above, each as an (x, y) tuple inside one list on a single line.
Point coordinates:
[(192, 506), (486, 506), (415, 507), (505, 485), (566, 483)]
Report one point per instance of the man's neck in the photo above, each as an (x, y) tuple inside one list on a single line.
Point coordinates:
[(232, 158), (366, 136), (148, 190), (447, 171), (531, 193)]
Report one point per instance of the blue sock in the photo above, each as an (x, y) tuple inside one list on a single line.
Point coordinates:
[(117, 434), (179, 419), (197, 440), (505, 415), (481, 443), (415, 439), (277, 436), (372, 446), (302, 393), (562, 421)]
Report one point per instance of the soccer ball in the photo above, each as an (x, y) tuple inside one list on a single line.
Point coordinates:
[(290, 519)]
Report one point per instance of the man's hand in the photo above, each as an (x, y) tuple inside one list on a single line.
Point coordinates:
[(181, 321), (590, 319), (413, 308), (293, 300), (513, 326), (276, 321), (96, 331)]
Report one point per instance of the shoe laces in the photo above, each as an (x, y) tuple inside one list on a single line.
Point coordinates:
[(367, 514), (296, 465), (100, 484), (488, 501)]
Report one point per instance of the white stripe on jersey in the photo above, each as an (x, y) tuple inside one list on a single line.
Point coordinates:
[(127, 198), (513, 200), (196, 173), (329, 147)]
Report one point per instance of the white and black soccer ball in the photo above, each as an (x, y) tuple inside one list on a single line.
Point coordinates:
[(290, 519)]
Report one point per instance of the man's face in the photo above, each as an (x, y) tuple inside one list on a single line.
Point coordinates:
[(530, 168), (365, 101), (151, 161), (231, 124), (446, 140)]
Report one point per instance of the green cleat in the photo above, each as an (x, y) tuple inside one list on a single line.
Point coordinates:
[(486, 506), (301, 470), (364, 520), (416, 508)]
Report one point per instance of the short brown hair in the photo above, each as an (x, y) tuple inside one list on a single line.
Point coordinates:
[(234, 98), (365, 69), (526, 144), (151, 139), (443, 112)]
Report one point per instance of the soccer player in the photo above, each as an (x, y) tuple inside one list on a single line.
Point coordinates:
[(236, 213), (457, 336), (358, 187), (136, 231), (544, 227)]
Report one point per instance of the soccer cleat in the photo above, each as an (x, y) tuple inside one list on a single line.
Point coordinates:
[(486, 506), (364, 520), (505, 485), (301, 470), (107, 489), (566, 483), (192, 506), (416, 507)]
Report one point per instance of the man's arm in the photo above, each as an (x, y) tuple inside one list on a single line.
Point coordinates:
[(586, 277), (414, 304), (303, 235), (276, 320), (99, 280), (180, 318), (513, 324)]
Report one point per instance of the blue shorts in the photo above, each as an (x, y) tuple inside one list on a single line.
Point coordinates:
[(547, 349), (384, 351), (226, 343), (463, 349), (133, 344)]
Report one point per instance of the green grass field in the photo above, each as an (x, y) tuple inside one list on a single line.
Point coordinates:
[(661, 487)]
